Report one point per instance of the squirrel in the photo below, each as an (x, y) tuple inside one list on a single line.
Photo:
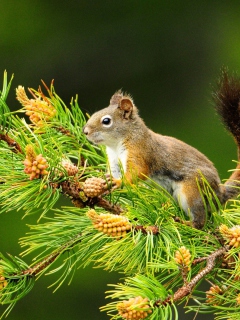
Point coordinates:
[(173, 164)]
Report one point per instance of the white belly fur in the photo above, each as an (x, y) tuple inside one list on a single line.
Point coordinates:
[(181, 198), (117, 159), (175, 188)]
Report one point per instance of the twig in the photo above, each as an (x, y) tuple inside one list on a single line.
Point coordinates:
[(74, 190), (12, 143), (64, 131), (40, 266), (211, 261), (187, 288), (145, 230), (199, 260), (105, 204)]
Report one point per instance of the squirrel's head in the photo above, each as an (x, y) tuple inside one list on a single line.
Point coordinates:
[(114, 123)]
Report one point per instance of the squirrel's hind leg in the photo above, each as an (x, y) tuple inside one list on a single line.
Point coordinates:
[(188, 197)]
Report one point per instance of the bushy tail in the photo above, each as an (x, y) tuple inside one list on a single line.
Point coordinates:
[(227, 100)]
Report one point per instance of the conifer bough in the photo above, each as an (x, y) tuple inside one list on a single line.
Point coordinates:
[(137, 229)]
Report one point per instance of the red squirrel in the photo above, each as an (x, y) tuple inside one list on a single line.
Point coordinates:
[(173, 164)]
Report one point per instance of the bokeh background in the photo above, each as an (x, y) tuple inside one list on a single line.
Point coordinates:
[(167, 54)]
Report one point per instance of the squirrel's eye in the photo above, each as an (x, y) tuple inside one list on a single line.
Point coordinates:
[(106, 121)]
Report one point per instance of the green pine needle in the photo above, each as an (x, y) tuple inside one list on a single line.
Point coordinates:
[(66, 238)]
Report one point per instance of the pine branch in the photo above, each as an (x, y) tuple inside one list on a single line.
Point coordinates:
[(75, 190), (46, 262), (134, 229), (187, 288)]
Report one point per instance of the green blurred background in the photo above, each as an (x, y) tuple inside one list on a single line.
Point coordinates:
[(167, 54)]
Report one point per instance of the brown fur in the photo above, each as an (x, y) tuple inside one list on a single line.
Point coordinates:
[(170, 162)]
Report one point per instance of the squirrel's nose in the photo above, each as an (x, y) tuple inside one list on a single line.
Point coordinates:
[(85, 130)]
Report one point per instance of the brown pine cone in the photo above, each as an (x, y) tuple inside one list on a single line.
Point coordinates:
[(94, 187), (70, 167)]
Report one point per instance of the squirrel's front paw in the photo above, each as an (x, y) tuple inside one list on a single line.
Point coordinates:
[(112, 183)]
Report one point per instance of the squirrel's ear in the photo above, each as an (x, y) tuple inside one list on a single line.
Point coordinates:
[(116, 97), (126, 105)]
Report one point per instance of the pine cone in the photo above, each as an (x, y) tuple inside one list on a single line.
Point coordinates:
[(111, 224), (94, 187), (38, 109), (70, 167), (183, 256), (232, 235), (35, 165), (134, 308), (3, 282), (212, 294)]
